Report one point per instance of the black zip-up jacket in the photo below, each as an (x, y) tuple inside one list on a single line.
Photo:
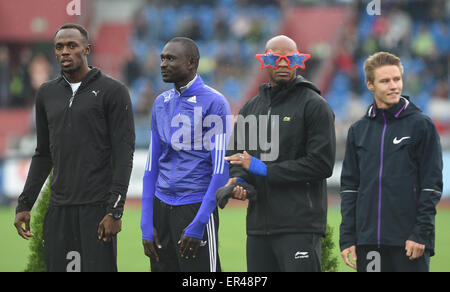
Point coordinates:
[(292, 198), (391, 179), (88, 139)]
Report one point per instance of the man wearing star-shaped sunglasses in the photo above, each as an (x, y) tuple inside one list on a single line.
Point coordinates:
[(271, 59), (282, 62), (286, 218)]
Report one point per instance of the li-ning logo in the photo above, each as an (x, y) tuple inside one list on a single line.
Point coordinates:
[(301, 255), (396, 141)]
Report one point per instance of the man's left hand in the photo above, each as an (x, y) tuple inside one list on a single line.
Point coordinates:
[(414, 250), (188, 246), (242, 159), (109, 227)]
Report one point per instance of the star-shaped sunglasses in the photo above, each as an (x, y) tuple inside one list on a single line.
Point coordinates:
[(294, 59)]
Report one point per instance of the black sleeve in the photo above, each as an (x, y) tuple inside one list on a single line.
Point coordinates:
[(121, 129), (429, 153), (318, 162), (233, 148), (349, 192), (41, 162)]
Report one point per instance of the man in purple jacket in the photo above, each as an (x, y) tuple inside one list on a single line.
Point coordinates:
[(185, 167)]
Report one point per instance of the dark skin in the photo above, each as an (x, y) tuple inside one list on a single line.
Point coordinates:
[(279, 45), (177, 67), (71, 50)]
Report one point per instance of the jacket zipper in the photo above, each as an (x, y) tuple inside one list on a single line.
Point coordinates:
[(173, 151), (267, 187), (308, 194), (380, 180)]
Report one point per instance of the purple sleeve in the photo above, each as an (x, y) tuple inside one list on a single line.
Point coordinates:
[(219, 179), (220, 174), (149, 183)]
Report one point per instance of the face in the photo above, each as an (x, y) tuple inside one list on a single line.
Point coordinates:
[(71, 50), (176, 66), (387, 86), (283, 74)]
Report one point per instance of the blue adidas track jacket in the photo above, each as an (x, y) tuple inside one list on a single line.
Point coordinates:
[(185, 164)]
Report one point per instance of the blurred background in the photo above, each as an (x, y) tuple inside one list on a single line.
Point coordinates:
[(128, 37)]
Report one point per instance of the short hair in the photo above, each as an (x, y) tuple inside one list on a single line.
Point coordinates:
[(190, 47), (380, 59), (76, 26)]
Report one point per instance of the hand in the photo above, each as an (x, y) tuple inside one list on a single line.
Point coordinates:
[(345, 255), (23, 218), (188, 246), (108, 227), (238, 193), (149, 246), (242, 159), (231, 181), (414, 250)]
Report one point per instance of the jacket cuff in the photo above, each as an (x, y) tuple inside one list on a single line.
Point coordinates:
[(22, 208)]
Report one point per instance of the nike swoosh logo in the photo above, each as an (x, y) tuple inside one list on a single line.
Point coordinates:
[(396, 141)]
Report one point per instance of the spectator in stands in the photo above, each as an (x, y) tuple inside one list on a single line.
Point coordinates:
[(423, 44), (132, 69), (4, 76), (20, 86)]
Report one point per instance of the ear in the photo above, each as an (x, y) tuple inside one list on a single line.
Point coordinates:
[(370, 85), (87, 50), (193, 63)]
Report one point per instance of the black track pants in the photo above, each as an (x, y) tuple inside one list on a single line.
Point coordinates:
[(71, 241)]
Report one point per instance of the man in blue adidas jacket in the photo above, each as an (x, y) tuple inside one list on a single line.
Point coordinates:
[(185, 167), (391, 179)]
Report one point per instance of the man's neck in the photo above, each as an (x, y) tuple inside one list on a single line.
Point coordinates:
[(77, 76), (181, 86)]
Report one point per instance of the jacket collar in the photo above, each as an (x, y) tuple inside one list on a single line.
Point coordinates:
[(92, 74), (195, 83), (273, 94), (395, 111)]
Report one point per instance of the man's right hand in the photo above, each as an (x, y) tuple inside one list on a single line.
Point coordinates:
[(345, 255), (238, 193), (149, 246), (21, 219)]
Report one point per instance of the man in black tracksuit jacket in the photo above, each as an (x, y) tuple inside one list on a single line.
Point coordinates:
[(288, 218), (391, 179), (86, 135)]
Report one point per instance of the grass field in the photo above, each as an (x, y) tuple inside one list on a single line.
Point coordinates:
[(14, 250)]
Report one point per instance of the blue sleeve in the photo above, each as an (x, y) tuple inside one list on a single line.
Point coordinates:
[(149, 183), (257, 167), (219, 177)]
